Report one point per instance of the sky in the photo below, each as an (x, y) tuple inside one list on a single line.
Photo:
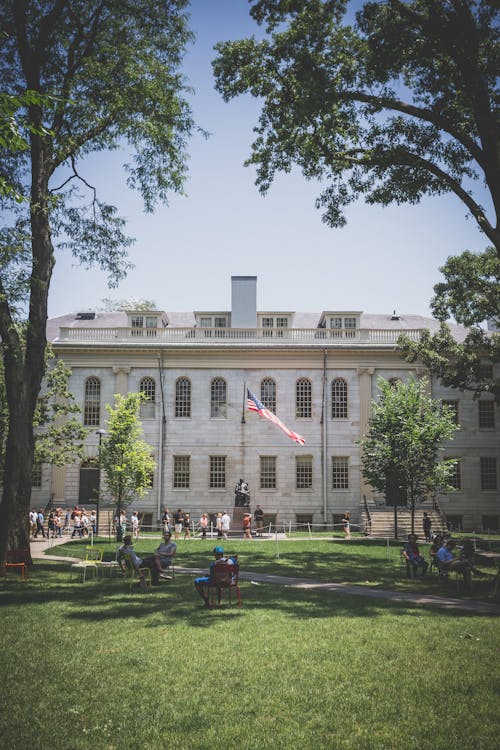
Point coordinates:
[(385, 259)]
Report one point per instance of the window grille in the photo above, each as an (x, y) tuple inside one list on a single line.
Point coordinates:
[(340, 473), (147, 386), (339, 399), (92, 402), (183, 397), (268, 472), (455, 479), (218, 398), (489, 473), (36, 476), (303, 472), (486, 414), (217, 472), (181, 472), (303, 399), (268, 394)]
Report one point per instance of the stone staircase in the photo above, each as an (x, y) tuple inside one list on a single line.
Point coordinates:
[(381, 524)]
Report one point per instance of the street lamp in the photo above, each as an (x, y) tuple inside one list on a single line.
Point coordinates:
[(100, 432)]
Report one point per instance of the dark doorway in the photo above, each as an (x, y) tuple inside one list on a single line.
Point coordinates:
[(89, 483)]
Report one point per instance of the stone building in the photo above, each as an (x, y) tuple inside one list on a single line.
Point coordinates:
[(317, 371)]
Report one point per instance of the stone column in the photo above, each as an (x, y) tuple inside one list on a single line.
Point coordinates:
[(365, 399)]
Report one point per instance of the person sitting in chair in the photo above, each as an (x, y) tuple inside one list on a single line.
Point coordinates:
[(449, 563), (152, 561), (201, 584), (414, 559), (165, 553)]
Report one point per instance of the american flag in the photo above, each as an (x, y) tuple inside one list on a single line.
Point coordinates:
[(254, 404)]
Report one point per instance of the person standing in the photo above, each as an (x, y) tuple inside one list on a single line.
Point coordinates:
[(427, 526), (187, 526), (346, 525), (258, 517), (33, 524), (203, 524), (40, 519), (247, 526), (165, 519), (178, 523), (134, 522), (225, 524), (218, 525)]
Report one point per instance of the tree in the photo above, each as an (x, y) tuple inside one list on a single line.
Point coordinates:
[(400, 453), (124, 457), (471, 295), (133, 304), (111, 72), (400, 104)]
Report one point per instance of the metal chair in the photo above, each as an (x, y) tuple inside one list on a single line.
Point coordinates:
[(18, 559), (92, 561), (136, 575)]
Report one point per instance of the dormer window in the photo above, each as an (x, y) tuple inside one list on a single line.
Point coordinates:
[(144, 325), (341, 325), (273, 325)]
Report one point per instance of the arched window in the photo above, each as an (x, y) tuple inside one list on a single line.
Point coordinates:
[(268, 394), (147, 386), (303, 398), (92, 402), (339, 399), (218, 397), (182, 397)]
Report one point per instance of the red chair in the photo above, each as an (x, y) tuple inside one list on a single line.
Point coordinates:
[(17, 558), (224, 577)]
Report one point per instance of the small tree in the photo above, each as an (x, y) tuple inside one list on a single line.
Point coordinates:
[(401, 450), (124, 456)]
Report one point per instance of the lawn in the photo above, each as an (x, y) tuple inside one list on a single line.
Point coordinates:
[(97, 666)]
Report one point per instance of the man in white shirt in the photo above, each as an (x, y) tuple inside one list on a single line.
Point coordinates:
[(226, 521)]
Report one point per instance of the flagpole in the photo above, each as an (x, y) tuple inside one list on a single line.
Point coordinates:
[(244, 402)]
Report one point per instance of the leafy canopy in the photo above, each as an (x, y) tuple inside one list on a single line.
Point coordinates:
[(124, 456), (400, 453), (399, 104), (471, 295)]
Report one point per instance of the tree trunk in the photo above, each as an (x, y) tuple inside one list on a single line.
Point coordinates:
[(24, 369)]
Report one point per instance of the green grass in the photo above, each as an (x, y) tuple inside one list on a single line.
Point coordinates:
[(96, 666)]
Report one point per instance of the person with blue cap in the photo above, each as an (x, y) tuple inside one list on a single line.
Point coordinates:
[(201, 584)]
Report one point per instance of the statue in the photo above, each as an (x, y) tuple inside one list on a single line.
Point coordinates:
[(241, 495)]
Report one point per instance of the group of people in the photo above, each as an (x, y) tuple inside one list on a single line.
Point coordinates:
[(158, 563), (81, 522), (442, 554), (182, 523)]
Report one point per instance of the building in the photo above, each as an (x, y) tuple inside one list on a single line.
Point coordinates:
[(317, 371)]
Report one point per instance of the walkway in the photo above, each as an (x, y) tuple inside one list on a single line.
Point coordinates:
[(38, 549)]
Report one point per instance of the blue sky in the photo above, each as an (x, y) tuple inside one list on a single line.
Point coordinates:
[(184, 255)]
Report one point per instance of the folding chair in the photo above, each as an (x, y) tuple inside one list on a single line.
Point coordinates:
[(135, 575), (224, 577), (17, 558)]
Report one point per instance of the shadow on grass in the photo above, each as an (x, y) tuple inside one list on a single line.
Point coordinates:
[(113, 600)]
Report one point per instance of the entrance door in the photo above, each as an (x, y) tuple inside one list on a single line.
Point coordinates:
[(89, 483)]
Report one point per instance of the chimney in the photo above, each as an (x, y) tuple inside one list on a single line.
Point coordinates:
[(243, 301)]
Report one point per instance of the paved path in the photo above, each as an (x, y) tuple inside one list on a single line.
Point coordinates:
[(38, 549)]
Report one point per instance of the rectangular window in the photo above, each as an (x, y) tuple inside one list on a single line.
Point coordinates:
[(137, 322), (455, 479), (350, 323), (486, 414), (206, 322), (268, 472), (488, 473), (486, 371), (181, 472), (491, 523), (219, 322), (281, 322), (340, 472), (151, 326), (267, 325), (217, 472), (303, 472), (36, 476), (453, 404), (336, 322)]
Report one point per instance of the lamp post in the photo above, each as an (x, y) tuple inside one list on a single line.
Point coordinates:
[(100, 432)]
